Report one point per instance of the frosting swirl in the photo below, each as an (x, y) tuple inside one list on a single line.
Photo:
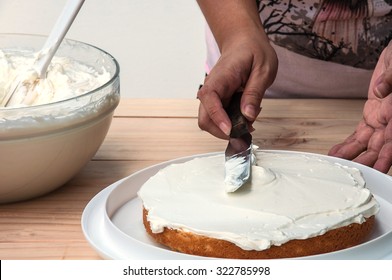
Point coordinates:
[(290, 196)]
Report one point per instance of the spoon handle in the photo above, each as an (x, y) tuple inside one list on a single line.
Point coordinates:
[(56, 36)]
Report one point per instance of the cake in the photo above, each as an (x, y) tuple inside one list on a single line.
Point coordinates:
[(294, 205)]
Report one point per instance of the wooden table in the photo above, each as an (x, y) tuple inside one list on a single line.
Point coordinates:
[(146, 132)]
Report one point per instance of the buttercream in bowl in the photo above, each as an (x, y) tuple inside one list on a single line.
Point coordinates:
[(49, 136)]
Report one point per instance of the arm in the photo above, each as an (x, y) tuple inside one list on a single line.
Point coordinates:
[(247, 62)]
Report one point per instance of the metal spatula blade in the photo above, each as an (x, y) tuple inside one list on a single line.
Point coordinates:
[(238, 154)]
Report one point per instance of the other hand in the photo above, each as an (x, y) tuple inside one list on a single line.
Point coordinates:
[(371, 142)]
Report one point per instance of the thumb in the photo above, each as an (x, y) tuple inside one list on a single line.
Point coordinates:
[(251, 104), (253, 95), (383, 85), (259, 80)]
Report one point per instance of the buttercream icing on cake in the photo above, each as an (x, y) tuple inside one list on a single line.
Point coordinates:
[(290, 196)]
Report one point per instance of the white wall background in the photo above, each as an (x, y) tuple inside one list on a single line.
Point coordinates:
[(158, 43)]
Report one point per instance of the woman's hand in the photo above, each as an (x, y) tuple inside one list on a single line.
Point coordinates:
[(244, 65), (247, 62), (371, 142)]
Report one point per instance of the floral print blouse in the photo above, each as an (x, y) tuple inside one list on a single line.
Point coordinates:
[(349, 32)]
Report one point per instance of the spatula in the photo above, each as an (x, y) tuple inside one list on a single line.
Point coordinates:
[(24, 84), (238, 154)]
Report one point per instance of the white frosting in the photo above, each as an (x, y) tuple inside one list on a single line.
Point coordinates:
[(236, 172), (65, 78), (290, 196)]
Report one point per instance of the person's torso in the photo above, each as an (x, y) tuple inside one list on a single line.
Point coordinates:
[(348, 32)]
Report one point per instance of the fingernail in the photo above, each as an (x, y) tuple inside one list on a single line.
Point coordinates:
[(383, 89), (251, 111), (225, 128)]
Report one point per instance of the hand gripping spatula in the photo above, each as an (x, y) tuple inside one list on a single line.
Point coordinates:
[(238, 154)]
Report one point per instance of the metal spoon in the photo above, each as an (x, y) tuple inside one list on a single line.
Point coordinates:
[(28, 81)]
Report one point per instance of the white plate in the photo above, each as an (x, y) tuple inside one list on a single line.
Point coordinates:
[(112, 220)]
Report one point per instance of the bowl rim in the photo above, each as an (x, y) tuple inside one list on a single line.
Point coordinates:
[(113, 77)]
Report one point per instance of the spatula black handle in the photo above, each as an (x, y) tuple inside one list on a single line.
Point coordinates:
[(238, 121)]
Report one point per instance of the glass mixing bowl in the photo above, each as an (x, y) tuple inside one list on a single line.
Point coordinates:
[(44, 146)]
